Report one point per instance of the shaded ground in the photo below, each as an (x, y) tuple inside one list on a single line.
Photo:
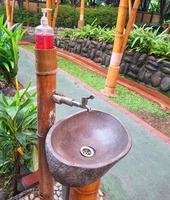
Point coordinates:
[(160, 123)]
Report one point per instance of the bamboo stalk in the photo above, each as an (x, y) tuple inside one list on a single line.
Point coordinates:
[(113, 70), (49, 11), (130, 23), (46, 85), (55, 14), (12, 12), (8, 13), (52, 3), (88, 192), (81, 20), (130, 7)]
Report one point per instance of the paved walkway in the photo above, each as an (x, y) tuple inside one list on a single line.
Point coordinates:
[(144, 174)]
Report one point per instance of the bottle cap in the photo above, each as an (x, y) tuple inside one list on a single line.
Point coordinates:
[(44, 20)]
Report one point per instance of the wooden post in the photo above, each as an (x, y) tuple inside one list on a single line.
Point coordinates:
[(8, 13), (88, 192), (46, 85), (130, 7), (130, 23), (49, 11), (55, 14), (81, 20), (118, 50), (113, 70), (12, 12)]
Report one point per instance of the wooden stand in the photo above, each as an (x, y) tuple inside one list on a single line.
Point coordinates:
[(46, 85), (88, 192)]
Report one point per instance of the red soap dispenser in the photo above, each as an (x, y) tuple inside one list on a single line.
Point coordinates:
[(44, 34)]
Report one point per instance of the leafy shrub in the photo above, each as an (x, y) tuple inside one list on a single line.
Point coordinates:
[(91, 32), (145, 40), (68, 16), (9, 52), (105, 16), (142, 39), (18, 123)]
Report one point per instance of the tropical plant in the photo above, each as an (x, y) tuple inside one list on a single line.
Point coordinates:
[(9, 50), (92, 32), (154, 6), (146, 40), (68, 16), (18, 123), (142, 39)]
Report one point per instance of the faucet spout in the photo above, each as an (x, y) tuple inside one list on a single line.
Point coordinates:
[(61, 99)]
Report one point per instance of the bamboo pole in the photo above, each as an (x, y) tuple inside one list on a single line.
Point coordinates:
[(52, 3), (130, 7), (116, 56), (130, 23), (81, 20), (12, 12), (88, 192), (8, 13), (49, 11), (55, 14), (46, 85)]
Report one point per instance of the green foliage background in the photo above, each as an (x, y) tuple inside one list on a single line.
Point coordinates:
[(68, 16)]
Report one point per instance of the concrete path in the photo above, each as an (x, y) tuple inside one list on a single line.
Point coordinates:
[(144, 174)]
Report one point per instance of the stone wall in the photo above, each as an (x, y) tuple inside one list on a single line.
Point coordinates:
[(139, 67)]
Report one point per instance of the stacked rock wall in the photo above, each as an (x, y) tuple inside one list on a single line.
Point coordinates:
[(140, 67)]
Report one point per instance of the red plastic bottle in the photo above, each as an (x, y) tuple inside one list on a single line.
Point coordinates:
[(44, 34)]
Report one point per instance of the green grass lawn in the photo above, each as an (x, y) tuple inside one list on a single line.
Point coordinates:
[(126, 98)]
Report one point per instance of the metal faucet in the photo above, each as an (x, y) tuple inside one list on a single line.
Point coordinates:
[(61, 99)]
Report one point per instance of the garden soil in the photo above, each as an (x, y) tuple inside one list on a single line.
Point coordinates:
[(161, 124)]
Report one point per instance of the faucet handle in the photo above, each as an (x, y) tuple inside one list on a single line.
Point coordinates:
[(84, 100)]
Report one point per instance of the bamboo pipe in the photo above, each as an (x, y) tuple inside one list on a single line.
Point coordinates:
[(49, 11), (55, 14), (46, 85), (12, 12), (113, 70), (81, 20), (8, 13), (88, 192), (52, 3), (130, 7), (130, 23)]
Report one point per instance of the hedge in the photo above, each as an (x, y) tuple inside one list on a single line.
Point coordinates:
[(68, 16)]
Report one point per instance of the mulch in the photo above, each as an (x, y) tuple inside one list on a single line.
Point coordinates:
[(160, 123)]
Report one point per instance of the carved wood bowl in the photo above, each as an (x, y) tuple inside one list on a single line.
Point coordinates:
[(83, 147)]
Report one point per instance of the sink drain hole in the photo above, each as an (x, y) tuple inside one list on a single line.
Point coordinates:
[(87, 151)]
